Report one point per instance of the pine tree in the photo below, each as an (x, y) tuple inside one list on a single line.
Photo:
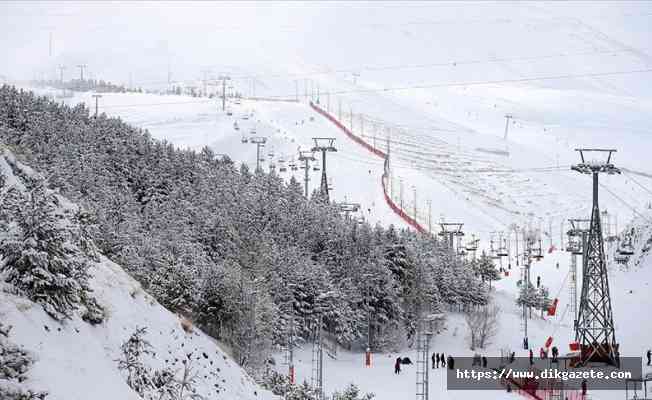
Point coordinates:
[(38, 259)]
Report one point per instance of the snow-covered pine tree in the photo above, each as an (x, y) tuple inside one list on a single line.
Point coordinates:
[(39, 259)]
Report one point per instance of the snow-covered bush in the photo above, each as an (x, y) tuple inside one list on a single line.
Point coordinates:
[(352, 392)]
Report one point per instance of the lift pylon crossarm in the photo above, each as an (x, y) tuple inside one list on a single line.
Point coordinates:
[(323, 144), (595, 166)]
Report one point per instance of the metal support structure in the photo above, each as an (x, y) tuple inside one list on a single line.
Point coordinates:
[(507, 118), (223, 78), (317, 375), (81, 71), (532, 251), (449, 231), (307, 157), (97, 100), (324, 145), (577, 236), (595, 331), (259, 141)]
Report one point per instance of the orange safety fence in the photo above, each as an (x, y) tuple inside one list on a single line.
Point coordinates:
[(397, 210)]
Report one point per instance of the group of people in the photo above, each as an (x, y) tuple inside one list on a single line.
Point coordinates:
[(543, 354), (437, 359)]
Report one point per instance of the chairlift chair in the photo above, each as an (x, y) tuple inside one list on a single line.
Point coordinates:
[(626, 250), (621, 258)]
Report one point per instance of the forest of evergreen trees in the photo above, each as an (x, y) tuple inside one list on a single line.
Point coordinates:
[(243, 255)]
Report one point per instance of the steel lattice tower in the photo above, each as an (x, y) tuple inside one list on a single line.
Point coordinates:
[(324, 145), (595, 330)]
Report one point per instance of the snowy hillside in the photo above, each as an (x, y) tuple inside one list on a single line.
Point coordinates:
[(74, 359)]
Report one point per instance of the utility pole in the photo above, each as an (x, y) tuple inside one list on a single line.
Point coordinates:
[(97, 99), (81, 71), (307, 157), (324, 145), (224, 78), (259, 141), (595, 332)]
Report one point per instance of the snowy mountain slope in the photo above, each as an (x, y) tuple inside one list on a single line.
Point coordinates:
[(76, 360)]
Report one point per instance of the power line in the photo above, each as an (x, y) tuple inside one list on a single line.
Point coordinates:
[(487, 82), (432, 85), (395, 67)]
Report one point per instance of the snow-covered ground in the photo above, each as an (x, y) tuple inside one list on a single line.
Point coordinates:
[(78, 361)]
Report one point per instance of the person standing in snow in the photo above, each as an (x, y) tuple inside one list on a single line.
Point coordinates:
[(397, 366), (443, 360), (538, 281), (555, 353), (649, 357), (435, 358), (531, 357), (484, 362)]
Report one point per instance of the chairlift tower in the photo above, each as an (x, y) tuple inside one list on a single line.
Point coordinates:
[(595, 331), (317, 376), (259, 141), (324, 145), (306, 157), (532, 251), (223, 78), (576, 244)]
